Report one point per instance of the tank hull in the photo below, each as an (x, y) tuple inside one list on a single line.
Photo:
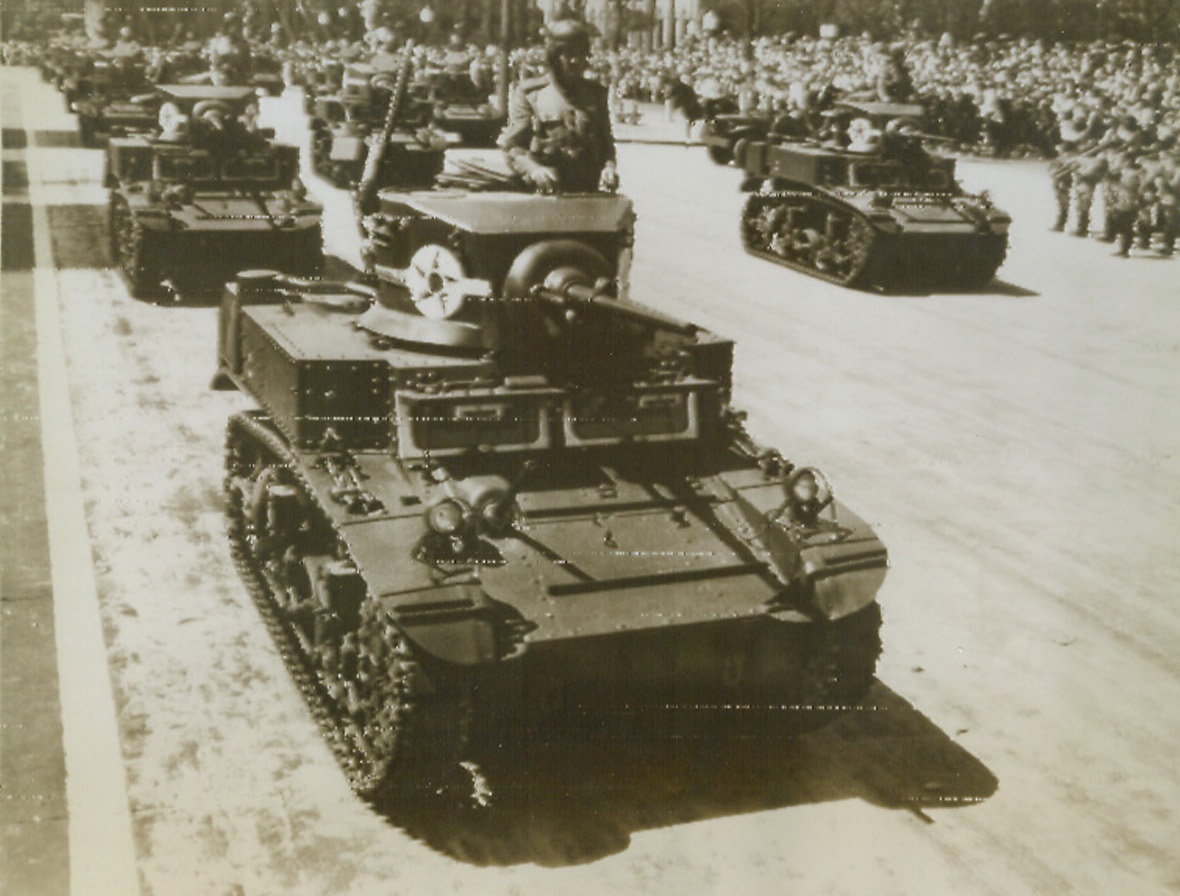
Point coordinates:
[(834, 240), (153, 255), (642, 572), (891, 219)]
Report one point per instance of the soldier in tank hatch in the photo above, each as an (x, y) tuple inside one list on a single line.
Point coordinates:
[(558, 136)]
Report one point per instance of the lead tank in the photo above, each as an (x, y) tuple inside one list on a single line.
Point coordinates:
[(482, 487), (871, 209)]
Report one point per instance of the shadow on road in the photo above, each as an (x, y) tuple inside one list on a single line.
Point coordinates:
[(79, 235), (574, 800), (995, 288), (57, 139), (1004, 288)]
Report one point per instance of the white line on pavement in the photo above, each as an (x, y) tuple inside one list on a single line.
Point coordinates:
[(102, 850)]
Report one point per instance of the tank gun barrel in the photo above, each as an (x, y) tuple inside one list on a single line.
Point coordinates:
[(568, 289)]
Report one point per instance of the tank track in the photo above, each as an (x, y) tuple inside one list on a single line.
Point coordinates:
[(808, 233), (841, 661), (829, 240), (416, 738)]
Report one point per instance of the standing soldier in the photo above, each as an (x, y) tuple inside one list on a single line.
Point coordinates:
[(558, 136), (1169, 201), (1124, 201), (1090, 167), (1064, 166)]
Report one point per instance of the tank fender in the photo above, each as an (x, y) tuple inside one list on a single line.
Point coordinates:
[(839, 567), (453, 623), (844, 576)]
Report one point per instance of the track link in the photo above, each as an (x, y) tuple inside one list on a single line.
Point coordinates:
[(410, 732), (808, 233)]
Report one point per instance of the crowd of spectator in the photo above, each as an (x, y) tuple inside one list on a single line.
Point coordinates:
[(1002, 97)]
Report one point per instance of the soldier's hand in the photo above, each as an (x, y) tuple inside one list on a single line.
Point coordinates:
[(609, 179), (543, 178)]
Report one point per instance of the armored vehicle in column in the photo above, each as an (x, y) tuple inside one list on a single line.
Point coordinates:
[(725, 126), (870, 207), (207, 194), (459, 107), (370, 103), (484, 484), (113, 97)]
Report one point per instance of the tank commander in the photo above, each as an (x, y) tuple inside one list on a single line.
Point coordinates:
[(558, 136)]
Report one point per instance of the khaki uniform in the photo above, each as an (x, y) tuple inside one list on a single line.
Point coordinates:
[(567, 130)]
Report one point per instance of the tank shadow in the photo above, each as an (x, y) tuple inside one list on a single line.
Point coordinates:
[(1004, 288), (79, 237), (574, 799), (995, 288), (58, 139)]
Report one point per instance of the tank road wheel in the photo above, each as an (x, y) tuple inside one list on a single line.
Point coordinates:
[(841, 251), (393, 720), (760, 223)]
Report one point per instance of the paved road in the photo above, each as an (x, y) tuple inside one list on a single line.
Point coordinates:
[(1016, 450)]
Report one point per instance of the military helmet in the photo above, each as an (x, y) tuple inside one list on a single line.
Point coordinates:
[(566, 34)]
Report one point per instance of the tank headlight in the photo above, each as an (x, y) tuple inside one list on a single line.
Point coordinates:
[(804, 486), (808, 492), (446, 517), (298, 188), (177, 194)]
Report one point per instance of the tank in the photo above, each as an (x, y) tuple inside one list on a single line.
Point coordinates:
[(113, 98), (207, 194), (484, 490), (460, 108), (725, 126), (879, 212), (368, 101)]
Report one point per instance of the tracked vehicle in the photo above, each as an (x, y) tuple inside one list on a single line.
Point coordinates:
[(460, 108), (113, 98), (880, 211), (726, 126), (484, 488), (206, 195), (368, 104)]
